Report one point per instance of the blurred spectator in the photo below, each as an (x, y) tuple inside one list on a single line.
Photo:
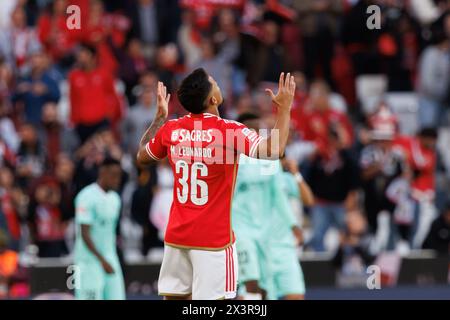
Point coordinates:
[(91, 154), (360, 42), (300, 99), (318, 23), (64, 174), (154, 22), (138, 119), (132, 65), (8, 210), (353, 256), (434, 81), (218, 62), (7, 156), (6, 8), (167, 64), (54, 136), (141, 202), (381, 163), (333, 178), (420, 152), (8, 131), (93, 99), (53, 33), (101, 31), (319, 117), (398, 47), (45, 218), (30, 156), (18, 41), (36, 88), (438, 237), (189, 39), (268, 59), (6, 79)]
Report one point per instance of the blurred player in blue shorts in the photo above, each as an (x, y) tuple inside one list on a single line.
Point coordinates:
[(97, 212)]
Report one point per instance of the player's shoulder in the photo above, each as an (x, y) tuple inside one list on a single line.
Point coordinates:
[(115, 195), (231, 123), (228, 124), (173, 123), (87, 193)]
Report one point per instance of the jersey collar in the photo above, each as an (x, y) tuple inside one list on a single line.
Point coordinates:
[(202, 115)]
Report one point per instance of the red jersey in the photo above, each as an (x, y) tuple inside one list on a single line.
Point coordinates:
[(202, 150)]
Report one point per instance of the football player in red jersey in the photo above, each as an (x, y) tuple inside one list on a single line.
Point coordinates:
[(199, 255)]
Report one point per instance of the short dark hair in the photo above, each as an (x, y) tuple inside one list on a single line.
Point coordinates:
[(194, 90), (109, 161)]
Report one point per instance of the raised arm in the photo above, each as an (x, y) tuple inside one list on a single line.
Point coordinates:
[(161, 115), (273, 147)]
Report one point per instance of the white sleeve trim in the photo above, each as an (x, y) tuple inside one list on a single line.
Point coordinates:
[(150, 153), (255, 147)]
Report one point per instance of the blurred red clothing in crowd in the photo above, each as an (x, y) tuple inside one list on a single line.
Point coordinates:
[(206, 9), (55, 36), (12, 218), (422, 162), (316, 124), (93, 96)]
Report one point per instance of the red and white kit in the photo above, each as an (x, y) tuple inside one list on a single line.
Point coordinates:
[(202, 150)]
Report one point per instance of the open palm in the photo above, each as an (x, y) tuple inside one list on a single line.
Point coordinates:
[(286, 91), (162, 100)]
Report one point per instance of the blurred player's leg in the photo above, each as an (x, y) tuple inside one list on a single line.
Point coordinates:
[(289, 283), (249, 269), (90, 282), (114, 284)]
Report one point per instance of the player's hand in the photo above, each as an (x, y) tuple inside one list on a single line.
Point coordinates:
[(291, 166), (162, 99), (286, 91), (298, 234), (107, 267)]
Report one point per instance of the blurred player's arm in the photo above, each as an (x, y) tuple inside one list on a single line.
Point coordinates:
[(86, 236), (306, 194), (143, 155), (273, 147), (282, 206)]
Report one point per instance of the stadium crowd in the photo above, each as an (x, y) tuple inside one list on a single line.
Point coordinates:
[(70, 97)]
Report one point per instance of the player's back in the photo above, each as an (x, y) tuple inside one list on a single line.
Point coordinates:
[(202, 151)]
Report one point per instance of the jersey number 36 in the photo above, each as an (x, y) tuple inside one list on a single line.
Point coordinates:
[(189, 179)]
